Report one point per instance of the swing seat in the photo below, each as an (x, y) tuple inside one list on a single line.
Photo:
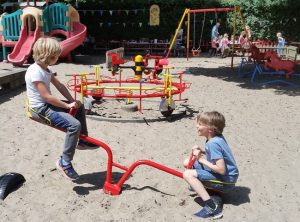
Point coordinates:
[(32, 114), (196, 52)]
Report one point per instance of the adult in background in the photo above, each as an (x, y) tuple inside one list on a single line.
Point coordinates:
[(215, 31)]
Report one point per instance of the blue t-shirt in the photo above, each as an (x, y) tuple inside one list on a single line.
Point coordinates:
[(281, 42), (217, 148), (214, 32)]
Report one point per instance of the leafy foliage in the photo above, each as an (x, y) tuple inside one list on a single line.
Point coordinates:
[(265, 17)]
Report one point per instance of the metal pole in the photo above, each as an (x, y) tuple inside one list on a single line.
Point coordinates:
[(176, 33), (188, 36), (234, 30)]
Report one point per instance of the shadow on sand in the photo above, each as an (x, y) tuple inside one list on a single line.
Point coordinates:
[(95, 180), (229, 74)]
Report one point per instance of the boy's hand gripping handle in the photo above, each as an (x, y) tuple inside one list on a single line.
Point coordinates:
[(73, 111), (192, 160)]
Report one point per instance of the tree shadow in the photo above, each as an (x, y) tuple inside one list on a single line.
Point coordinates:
[(95, 180), (231, 75)]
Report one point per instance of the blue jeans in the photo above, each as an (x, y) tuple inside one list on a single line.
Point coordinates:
[(60, 118), (280, 49)]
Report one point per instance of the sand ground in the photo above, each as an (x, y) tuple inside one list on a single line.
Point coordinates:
[(263, 130)]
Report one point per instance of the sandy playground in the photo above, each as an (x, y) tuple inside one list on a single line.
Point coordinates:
[(263, 130)]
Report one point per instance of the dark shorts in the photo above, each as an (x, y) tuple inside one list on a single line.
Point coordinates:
[(212, 181)]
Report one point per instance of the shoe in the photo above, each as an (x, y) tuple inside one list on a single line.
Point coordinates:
[(67, 170), (84, 145), (207, 212)]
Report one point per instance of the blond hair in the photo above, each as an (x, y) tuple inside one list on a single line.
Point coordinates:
[(46, 49), (278, 34), (212, 119)]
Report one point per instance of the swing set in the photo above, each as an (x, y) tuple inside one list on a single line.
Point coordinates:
[(196, 52), (187, 12)]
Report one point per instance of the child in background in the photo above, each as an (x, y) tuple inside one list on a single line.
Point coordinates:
[(243, 41), (218, 171), (248, 32), (224, 46), (219, 43), (44, 106), (214, 46), (280, 44)]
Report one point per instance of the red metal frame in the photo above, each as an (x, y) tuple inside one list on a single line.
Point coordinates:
[(116, 188), (181, 86), (76, 87), (211, 10)]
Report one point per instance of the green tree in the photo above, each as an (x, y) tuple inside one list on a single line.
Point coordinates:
[(265, 17)]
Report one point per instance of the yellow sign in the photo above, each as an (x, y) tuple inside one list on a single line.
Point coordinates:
[(154, 15)]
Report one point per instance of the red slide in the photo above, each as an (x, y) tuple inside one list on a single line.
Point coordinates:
[(76, 39), (23, 48)]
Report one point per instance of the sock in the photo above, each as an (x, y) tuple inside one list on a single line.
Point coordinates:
[(64, 162), (210, 203)]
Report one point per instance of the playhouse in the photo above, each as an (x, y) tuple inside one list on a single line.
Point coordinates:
[(23, 27)]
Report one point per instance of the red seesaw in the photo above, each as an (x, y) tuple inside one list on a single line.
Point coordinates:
[(110, 187), (115, 189)]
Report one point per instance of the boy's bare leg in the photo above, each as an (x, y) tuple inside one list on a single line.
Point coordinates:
[(191, 177)]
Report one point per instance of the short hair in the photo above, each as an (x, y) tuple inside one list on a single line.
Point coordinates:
[(45, 49), (212, 119)]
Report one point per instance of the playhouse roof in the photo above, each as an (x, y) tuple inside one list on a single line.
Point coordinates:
[(38, 4), (23, 4)]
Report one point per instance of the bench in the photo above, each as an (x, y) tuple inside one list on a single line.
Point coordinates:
[(291, 53)]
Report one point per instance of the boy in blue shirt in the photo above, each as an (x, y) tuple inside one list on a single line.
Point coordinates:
[(280, 44), (218, 171)]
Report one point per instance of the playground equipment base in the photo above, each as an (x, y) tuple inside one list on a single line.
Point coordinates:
[(11, 80)]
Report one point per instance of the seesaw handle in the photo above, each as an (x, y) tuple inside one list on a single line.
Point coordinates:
[(73, 111)]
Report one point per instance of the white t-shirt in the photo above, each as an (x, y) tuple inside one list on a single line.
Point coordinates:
[(35, 73)]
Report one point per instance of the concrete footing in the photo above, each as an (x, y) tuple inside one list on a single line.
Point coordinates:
[(11, 80)]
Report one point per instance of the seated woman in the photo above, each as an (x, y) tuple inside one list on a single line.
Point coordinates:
[(179, 48)]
